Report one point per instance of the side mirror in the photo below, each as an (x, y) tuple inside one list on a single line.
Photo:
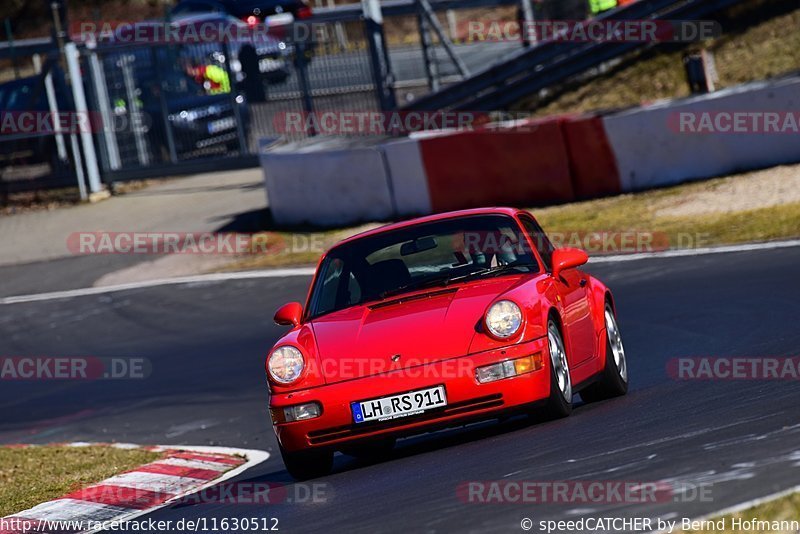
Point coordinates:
[(289, 314), (568, 258)]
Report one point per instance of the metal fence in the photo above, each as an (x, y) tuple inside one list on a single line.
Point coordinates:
[(36, 153), (160, 115), (165, 114)]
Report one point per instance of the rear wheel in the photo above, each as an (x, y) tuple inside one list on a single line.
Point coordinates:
[(559, 403), (303, 465), (613, 381)]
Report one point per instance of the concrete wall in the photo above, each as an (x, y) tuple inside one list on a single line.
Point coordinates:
[(651, 149)]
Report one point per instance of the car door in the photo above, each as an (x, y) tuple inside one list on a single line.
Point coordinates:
[(572, 288), (573, 298)]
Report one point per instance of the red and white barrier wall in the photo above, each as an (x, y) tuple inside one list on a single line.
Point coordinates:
[(327, 183), (527, 163), (685, 140), (516, 164)]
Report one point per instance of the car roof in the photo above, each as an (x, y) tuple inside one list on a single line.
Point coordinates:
[(431, 218), (189, 18)]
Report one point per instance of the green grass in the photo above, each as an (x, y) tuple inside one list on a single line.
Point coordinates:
[(760, 41), (30, 476), (783, 509), (639, 212)]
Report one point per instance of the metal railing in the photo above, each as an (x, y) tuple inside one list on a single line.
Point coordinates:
[(32, 158), (397, 8), (157, 121), (551, 62), (160, 120)]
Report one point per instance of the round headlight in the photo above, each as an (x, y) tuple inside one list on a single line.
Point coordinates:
[(285, 364), (503, 319)]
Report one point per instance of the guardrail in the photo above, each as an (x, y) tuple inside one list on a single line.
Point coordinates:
[(392, 8), (26, 47), (551, 62)]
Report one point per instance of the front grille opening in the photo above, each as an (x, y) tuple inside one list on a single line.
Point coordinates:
[(319, 437)]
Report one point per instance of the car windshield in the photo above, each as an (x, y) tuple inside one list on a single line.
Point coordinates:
[(424, 255), (14, 94)]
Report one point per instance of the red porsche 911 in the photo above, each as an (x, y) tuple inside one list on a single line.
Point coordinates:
[(436, 322)]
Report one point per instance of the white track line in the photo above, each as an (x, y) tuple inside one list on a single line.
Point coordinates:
[(680, 253), (200, 278), (742, 506), (753, 503), (309, 271)]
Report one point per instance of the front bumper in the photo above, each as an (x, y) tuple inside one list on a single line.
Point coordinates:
[(466, 399)]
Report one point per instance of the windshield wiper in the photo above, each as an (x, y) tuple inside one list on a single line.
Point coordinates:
[(438, 281), (447, 280), (489, 271)]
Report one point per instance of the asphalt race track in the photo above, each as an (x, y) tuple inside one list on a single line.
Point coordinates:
[(206, 344)]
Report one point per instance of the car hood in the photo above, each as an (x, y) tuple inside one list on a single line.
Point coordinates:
[(404, 331)]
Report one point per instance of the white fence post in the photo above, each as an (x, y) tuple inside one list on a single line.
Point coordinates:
[(78, 94)]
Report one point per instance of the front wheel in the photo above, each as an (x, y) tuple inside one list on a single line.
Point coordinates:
[(613, 381), (559, 403), (304, 465)]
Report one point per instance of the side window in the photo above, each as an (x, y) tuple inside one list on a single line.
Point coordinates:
[(353, 290), (329, 279), (540, 241)]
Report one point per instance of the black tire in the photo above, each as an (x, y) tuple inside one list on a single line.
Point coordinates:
[(610, 383), (371, 450), (305, 465), (558, 405)]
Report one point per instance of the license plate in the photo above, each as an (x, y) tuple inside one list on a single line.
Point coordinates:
[(269, 65), (221, 124), (281, 19), (402, 405)]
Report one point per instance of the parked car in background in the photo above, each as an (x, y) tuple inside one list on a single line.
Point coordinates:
[(274, 13), (273, 54), (200, 122), (278, 15), (202, 38), (28, 95)]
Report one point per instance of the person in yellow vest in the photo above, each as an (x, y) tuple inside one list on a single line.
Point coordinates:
[(598, 6), (212, 77), (218, 79)]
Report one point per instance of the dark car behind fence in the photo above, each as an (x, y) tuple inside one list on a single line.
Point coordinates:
[(162, 105)]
